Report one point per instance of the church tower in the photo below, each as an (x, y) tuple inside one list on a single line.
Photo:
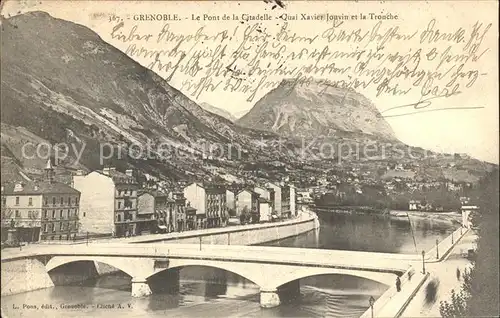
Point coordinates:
[(49, 172)]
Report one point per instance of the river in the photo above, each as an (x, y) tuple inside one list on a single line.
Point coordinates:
[(209, 292)]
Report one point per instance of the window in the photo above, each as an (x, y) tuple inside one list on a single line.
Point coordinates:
[(54, 201), (18, 214), (17, 200), (62, 201), (44, 214), (119, 205), (46, 201), (53, 214), (61, 214), (30, 201), (45, 228), (60, 237), (61, 226), (84, 214), (118, 218), (127, 204), (4, 201), (30, 214), (69, 201)]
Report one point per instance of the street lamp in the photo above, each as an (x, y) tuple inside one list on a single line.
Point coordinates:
[(437, 249), (423, 262), (372, 301)]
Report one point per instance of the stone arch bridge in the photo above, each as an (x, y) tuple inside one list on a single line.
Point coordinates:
[(267, 267)]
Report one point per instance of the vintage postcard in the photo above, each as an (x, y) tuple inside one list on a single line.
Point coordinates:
[(249, 158)]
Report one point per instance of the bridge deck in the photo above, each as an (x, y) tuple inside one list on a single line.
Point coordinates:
[(380, 262)]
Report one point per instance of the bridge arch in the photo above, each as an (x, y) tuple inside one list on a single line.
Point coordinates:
[(285, 277), (253, 273), (128, 267)]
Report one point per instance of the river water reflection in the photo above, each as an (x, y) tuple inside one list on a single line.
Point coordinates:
[(209, 292)]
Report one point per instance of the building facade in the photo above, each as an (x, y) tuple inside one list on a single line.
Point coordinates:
[(247, 200), (41, 210), (109, 203), (156, 209), (414, 205), (265, 210), (180, 215), (276, 200), (293, 201), (209, 200), (230, 202), (285, 202)]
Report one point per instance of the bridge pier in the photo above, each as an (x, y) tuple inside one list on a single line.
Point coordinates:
[(269, 298), (140, 287)]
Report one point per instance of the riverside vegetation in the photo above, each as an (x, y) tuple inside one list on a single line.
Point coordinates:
[(479, 293)]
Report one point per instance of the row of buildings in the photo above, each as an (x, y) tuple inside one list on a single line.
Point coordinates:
[(110, 202)]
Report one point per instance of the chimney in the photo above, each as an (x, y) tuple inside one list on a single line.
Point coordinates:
[(106, 171), (79, 172), (36, 187), (129, 172)]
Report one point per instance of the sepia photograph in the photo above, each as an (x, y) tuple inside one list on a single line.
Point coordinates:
[(246, 158)]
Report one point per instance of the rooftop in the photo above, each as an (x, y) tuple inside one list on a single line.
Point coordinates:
[(118, 177), (37, 188), (154, 193), (248, 190)]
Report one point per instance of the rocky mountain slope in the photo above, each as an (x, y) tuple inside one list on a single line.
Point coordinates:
[(63, 84), (218, 111), (311, 111), (66, 89)]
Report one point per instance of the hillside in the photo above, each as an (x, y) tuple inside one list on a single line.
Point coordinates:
[(61, 83)]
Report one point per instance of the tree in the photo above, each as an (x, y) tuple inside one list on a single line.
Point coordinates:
[(479, 293)]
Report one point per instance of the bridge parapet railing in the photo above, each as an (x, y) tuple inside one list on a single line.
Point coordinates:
[(439, 251), (236, 254), (389, 294)]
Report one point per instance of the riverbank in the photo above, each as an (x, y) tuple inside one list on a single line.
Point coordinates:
[(453, 217), (249, 234), (435, 216), (351, 209)]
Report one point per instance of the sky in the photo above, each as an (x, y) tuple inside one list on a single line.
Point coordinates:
[(471, 131)]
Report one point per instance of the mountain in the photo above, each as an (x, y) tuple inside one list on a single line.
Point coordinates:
[(68, 92), (218, 111), (61, 83), (311, 111)]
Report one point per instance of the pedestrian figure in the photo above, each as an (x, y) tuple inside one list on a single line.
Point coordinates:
[(458, 273), (398, 284)]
